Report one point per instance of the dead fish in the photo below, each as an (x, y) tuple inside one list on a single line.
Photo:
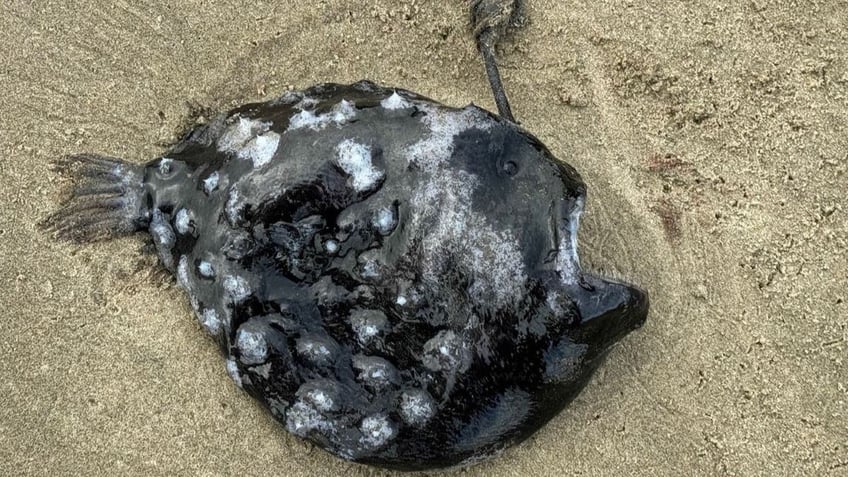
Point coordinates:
[(395, 279)]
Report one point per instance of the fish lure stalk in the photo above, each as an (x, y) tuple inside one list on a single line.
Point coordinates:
[(491, 20)]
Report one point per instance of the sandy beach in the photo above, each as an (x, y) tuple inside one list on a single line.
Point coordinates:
[(713, 136)]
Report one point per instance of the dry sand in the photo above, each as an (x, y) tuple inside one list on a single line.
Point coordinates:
[(713, 138)]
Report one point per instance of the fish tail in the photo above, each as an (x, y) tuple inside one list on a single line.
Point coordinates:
[(104, 200)]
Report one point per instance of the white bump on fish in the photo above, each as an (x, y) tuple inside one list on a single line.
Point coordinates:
[(233, 207), (374, 371), (446, 352), (210, 183), (384, 221), (302, 418), (183, 220), (331, 246), (253, 349), (236, 288), (165, 165), (182, 273), (395, 101), (376, 431), (209, 320), (368, 324), (416, 407), (206, 269), (163, 237), (233, 371), (313, 350), (321, 400), (340, 114)]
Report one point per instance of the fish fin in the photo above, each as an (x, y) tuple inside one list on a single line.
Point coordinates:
[(105, 199)]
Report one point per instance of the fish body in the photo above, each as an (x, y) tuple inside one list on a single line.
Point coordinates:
[(396, 280)]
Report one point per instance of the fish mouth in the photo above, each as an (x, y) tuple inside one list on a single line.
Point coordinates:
[(608, 308)]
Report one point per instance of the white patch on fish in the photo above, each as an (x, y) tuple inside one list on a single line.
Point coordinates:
[(355, 161), (450, 228), (568, 262), (436, 149), (260, 150), (238, 134)]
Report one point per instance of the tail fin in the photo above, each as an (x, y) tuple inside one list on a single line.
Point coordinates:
[(105, 200)]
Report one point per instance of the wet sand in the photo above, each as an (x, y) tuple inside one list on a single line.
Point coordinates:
[(712, 136)]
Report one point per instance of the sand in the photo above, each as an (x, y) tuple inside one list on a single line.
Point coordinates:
[(712, 136)]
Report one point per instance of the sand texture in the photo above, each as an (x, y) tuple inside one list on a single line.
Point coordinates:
[(713, 136)]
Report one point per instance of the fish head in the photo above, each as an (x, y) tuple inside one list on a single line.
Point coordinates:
[(540, 200)]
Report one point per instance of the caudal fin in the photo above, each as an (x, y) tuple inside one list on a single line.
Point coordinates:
[(105, 199)]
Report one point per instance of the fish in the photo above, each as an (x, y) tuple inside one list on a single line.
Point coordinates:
[(396, 280)]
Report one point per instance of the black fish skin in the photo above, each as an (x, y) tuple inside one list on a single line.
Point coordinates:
[(396, 280)]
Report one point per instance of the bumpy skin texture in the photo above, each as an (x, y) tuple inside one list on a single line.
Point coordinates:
[(396, 280)]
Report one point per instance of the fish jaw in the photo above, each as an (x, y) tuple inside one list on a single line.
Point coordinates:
[(607, 309)]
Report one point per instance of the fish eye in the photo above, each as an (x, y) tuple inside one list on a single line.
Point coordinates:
[(510, 168)]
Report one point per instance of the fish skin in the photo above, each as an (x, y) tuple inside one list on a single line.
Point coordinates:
[(395, 279)]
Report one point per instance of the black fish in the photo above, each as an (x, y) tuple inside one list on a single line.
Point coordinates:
[(395, 279)]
